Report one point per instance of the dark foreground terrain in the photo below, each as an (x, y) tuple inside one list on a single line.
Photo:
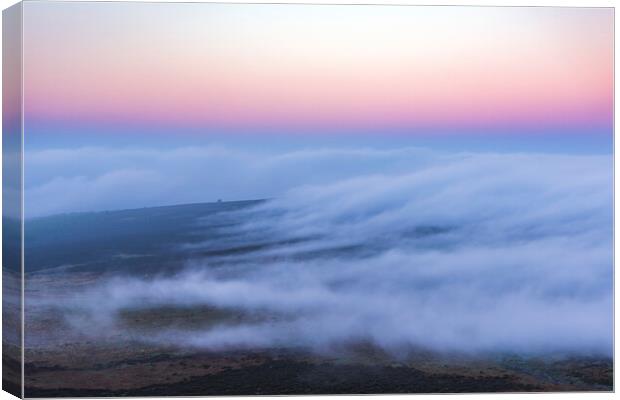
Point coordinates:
[(71, 253), (87, 371)]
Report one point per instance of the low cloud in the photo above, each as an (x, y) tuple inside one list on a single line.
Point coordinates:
[(466, 252), (95, 179)]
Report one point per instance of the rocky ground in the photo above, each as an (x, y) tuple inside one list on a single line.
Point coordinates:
[(125, 368)]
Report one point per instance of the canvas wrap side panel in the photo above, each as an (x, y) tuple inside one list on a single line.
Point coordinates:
[(12, 195)]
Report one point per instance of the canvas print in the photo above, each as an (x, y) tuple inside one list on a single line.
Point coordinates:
[(254, 199)]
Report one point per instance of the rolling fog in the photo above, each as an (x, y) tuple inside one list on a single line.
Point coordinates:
[(404, 248)]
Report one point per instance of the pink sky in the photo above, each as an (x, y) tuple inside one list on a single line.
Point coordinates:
[(304, 66)]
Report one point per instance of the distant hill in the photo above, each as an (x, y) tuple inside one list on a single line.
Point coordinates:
[(124, 239)]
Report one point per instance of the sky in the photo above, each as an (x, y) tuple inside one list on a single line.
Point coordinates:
[(132, 104), (129, 73)]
